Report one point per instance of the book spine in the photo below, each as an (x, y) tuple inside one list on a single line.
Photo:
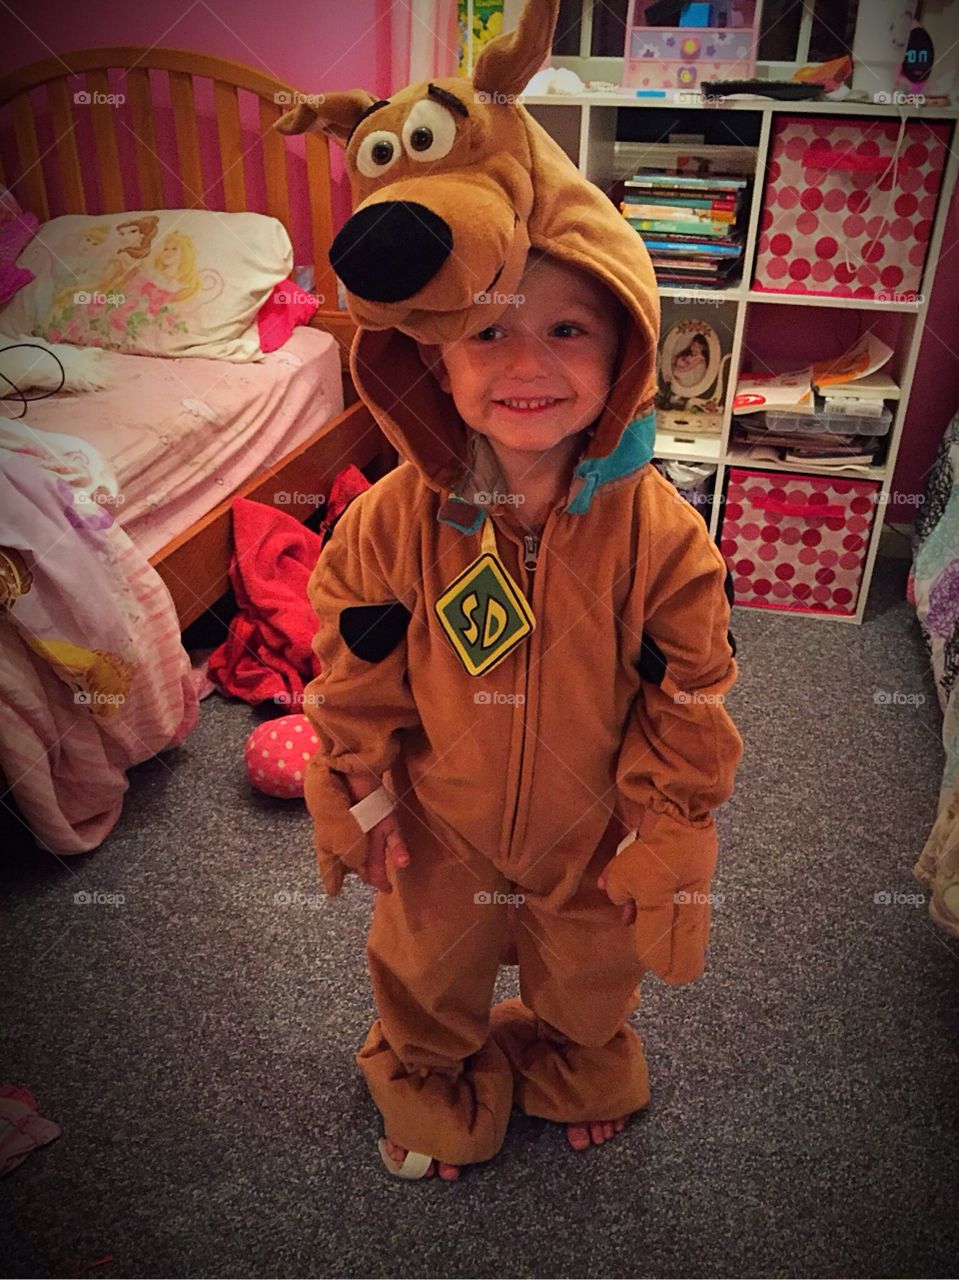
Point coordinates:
[(638, 208), (655, 224), (682, 202), (669, 213)]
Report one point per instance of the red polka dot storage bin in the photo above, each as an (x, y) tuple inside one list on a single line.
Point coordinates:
[(848, 206), (797, 541)]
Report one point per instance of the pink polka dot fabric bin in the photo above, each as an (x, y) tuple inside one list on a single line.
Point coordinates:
[(277, 753), (797, 541), (848, 206)]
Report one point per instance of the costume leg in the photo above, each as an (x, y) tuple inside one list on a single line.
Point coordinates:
[(443, 1085), (573, 1054)]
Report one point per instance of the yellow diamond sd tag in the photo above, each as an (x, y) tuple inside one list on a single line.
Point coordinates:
[(483, 611)]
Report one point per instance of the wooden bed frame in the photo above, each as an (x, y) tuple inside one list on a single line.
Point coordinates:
[(195, 565)]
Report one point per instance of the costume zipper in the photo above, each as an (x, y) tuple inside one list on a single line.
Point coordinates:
[(530, 555)]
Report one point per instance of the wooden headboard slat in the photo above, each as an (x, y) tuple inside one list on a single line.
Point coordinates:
[(321, 220), (34, 185), (231, 145), (145, 143), (104, 117), (187, 143), (268, 164), (274, 163), (64, 128)]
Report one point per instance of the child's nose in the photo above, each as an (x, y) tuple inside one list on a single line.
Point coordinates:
[(526, 357)]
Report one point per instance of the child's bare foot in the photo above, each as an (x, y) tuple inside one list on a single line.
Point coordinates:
[(593, 1133), (449, 1172)]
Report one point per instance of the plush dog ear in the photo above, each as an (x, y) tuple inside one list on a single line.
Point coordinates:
[(334, 114), (510, 60)]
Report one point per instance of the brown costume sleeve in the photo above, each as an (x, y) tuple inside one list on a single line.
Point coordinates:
[(680, 750), (361, 701)]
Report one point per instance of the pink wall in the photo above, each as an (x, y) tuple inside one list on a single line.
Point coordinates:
[(935, 388), (315, 45)]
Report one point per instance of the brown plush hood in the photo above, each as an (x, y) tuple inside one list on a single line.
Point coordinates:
[(453, 182)]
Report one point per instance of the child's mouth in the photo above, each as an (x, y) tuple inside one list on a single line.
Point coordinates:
[(539, 405)]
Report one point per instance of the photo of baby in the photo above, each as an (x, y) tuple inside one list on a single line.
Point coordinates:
[(690, 365)]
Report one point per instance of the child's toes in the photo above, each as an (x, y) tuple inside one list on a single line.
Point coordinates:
[(449, 1172), (578, 1135)]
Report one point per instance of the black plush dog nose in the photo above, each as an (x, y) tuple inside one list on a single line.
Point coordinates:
[(388, 251)]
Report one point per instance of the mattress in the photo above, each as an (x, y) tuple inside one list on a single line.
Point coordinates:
[(183, 434)]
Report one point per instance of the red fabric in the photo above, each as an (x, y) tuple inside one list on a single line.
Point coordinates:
[(268, 652), (349, 483), (287, 306)]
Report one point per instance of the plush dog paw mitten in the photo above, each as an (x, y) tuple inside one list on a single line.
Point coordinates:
[(667, 871)]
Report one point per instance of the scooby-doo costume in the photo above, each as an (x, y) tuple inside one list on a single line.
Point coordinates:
[(535, 704)]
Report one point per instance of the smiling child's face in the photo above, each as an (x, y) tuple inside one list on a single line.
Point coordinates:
[(558, 343)]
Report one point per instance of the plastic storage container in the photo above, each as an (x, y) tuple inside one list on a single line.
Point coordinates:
[(708, 42), (837, 424)]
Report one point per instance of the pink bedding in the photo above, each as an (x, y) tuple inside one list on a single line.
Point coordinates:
[(93, 677), (182, 434)]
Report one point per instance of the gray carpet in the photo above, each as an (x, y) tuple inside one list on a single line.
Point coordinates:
[(196, 1042)]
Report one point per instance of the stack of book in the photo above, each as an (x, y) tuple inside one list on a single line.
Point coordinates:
[(692, 226)]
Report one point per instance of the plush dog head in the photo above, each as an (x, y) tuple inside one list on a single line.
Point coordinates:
[(442, 183), (453, 182)]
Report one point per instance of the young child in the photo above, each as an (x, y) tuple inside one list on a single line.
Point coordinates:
[(534, 658)]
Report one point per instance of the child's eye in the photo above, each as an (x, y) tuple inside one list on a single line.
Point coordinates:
[(568, 324), (485, 333)]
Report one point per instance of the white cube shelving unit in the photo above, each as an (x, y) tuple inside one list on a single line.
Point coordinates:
[(585, 127)]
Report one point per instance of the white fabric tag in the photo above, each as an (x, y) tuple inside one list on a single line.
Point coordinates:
[(373, 808), (626, 841)]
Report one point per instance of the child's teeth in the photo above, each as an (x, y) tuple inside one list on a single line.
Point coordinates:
[(528, 404)]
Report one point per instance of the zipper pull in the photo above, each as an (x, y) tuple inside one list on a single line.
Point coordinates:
[(531, 543)]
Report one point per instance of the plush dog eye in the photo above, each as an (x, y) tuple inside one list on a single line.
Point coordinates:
[(378, 152), (429, 131)]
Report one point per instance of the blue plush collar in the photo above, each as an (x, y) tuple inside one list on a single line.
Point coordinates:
[(635, 449)]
